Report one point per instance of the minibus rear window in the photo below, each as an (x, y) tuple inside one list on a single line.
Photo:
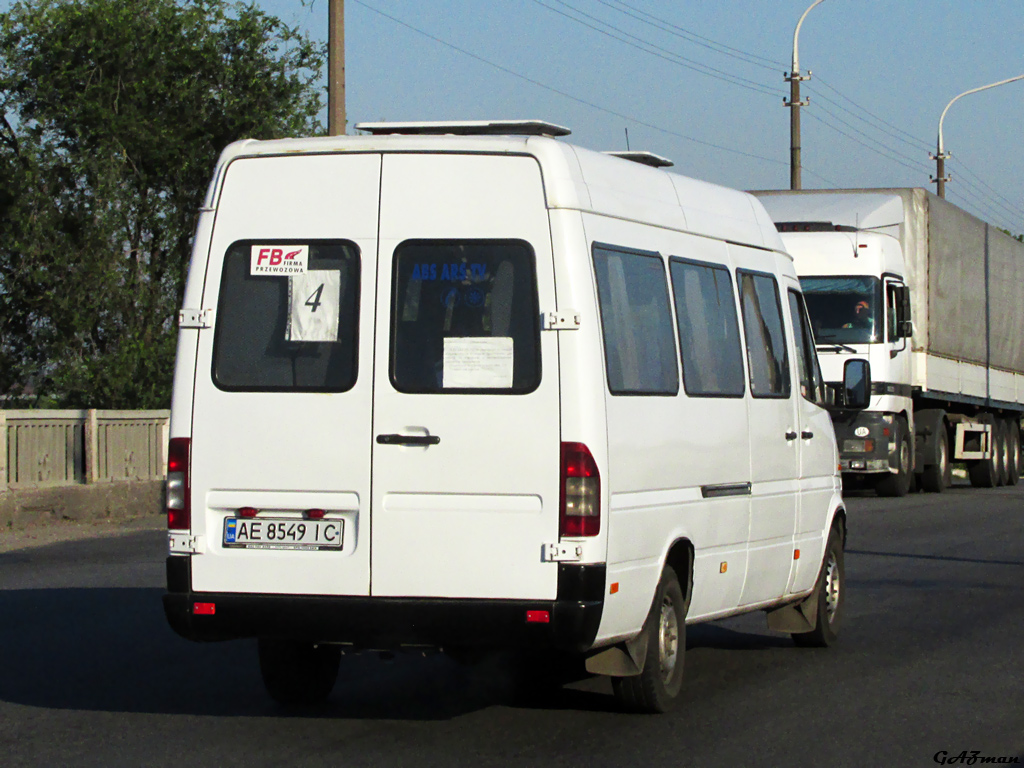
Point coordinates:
[(636, 322), (287, 328), (465, 317)]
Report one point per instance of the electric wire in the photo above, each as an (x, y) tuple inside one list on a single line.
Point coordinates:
[(566, 95), (655, 50), (886, 151), (705, 42), (909, 137)]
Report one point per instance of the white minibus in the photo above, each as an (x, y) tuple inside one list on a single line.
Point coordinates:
[(468, 386)]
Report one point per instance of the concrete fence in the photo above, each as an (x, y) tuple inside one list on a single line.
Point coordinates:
[(49, 448)]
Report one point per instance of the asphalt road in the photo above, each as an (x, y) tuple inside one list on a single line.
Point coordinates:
[(931, 661)]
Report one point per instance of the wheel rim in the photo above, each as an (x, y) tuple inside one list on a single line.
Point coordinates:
[(832, 587), (905, 457), (943, 458), (668, 638)]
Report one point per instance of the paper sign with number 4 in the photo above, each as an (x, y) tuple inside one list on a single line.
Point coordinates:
[(315, 298)]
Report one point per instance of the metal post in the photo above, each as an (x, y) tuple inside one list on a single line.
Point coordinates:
[(794, 104), (336, 120), (941, 154)]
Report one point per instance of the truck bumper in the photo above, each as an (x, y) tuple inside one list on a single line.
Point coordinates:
[(866, 442), (570, 624)]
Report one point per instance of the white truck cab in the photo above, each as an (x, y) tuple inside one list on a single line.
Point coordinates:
[(465, 385)]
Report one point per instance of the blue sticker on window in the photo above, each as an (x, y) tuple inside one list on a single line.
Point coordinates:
[(455, 272)]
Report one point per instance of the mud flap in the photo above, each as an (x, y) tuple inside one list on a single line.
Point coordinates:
[(796, 618), (621, 660)]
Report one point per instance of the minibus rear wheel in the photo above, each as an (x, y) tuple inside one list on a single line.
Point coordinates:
[(297, 673), (662, 677)]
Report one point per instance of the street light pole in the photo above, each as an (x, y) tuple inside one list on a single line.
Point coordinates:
[(941, 155), (336, 68), (794, 105)]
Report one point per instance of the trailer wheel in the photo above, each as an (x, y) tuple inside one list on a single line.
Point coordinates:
[(298, 674), (653, 689), (984, 473), (1004, 452), (830, 595), (1013, 433), (898, 484), (937, 477)]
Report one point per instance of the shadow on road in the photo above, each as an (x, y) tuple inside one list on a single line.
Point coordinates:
[(111, 650)]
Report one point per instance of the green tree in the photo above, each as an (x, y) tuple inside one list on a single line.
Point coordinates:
[(114, 114)]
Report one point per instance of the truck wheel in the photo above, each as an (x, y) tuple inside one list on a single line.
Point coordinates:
[(653, 689), (937, 477), (1004, 452), (298, 674), (1013, 435), (830, 594), (898, 484), (984, 473)]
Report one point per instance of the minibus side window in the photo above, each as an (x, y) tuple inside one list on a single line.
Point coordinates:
[(287, 332), (766, 342), (636, 322), (709, 334), (465, 317), (811, 387)]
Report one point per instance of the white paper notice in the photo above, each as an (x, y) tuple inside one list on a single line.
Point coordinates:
[(315, 298), (478, 363)]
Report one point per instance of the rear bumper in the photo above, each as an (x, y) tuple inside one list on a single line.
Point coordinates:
[(391, 622)]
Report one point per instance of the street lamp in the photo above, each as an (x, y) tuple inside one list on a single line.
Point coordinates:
[(794, 104), (940, 155)]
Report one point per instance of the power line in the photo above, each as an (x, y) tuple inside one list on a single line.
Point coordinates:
[(705, 42), (910, 137), (655, 50), (569, 96), (877, 151)]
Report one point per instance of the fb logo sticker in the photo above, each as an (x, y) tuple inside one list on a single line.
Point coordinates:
[(278, 259)]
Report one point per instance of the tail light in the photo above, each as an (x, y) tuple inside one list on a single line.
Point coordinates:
[(580, 503), (179, 512)]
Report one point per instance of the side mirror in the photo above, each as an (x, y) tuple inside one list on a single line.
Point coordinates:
[(906, 329), (856, 384)]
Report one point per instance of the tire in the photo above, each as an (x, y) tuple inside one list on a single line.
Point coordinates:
[(830, 593), (898, 484), (654, 689), (298, 674), (1004, 452), (1013, 433), (984, 473), (939, 476)]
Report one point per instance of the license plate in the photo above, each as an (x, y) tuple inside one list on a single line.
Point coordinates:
[(270, 533)]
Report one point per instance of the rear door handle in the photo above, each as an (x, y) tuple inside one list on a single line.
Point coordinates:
[(396, 439), (791, 435), (807, 434)]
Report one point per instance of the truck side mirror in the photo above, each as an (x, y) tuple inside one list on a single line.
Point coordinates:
[(903, 324), (856, 384)]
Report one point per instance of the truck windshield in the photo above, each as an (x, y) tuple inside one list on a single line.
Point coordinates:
[(844, 310)]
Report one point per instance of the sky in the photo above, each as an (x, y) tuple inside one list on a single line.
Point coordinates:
[(702, 82)]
